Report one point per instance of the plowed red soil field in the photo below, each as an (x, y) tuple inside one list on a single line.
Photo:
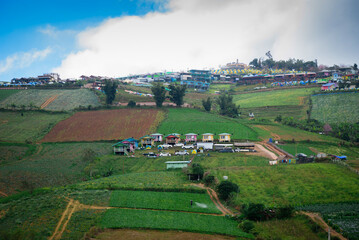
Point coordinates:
[(104, 125)]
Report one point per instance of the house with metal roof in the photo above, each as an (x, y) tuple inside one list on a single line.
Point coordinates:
[(224, 137), (191, 137), (207, 137), (177, 164), (158, 137)]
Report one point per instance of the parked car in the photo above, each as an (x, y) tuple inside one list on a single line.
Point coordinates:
[(179, 144), (150, 155), (165, 154), (226, 150), (181, 153), (166, 145), (188, 146)]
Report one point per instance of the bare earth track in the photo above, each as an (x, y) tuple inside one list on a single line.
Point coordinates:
[(48, 101), (316, 218)]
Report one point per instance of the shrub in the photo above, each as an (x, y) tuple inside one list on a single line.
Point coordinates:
[(254, 212), (225, 188), (247, 226), (131, 104), (208, 180), (285, 212)]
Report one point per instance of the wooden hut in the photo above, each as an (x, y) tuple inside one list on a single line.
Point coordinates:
[(147, 141), (172, 139)]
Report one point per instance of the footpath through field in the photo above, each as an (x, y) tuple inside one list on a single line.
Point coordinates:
[(317, 219), (74, 206), (48, 101)]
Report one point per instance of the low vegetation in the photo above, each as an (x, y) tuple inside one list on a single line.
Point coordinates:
[(128, 218), (343, 217), (29, 126), (190, 202), (336, 107), (57, 100), (295, 96)]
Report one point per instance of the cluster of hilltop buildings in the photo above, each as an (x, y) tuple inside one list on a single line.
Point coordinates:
[(200, 80)]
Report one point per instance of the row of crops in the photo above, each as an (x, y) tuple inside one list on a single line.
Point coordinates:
[(63, 100), (343, 217)]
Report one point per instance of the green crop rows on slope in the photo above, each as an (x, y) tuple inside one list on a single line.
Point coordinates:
[(193, 222), (201, 202)]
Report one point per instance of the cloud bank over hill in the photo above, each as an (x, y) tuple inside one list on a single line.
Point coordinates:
[(207, 33)]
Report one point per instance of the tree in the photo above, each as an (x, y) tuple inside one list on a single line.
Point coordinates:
[(177, 93), (110, 90), (207, 104), (226, 106), (225, 188), (355, 67), (255, 63), (198, 170), (159, 93)]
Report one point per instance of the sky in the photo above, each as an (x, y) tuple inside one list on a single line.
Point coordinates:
[(117, 38)]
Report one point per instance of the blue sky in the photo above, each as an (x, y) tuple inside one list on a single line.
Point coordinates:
[(120, 37), (30, 26)]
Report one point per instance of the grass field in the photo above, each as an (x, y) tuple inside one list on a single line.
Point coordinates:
[(164, 201), (298, 227), (277, 131), (4, 93), (295, 96), (271, 112), (336, 107), (32, 126), (193, 222), (105, 125), (63, 100), (190, 120), (297, 148), (292, 184)]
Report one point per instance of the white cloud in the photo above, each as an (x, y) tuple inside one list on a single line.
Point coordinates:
[(23, 59), (199, 34), (54, 32)]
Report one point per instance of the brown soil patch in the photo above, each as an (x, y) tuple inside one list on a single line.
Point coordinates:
[(301, 100), (48, 101), (263, 152), (3, 194), (316, 218), (103, 125), (125, 234), (2, 213), (275, 136)]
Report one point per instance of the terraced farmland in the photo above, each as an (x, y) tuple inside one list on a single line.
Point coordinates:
[(53, 100), (105, 125)]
